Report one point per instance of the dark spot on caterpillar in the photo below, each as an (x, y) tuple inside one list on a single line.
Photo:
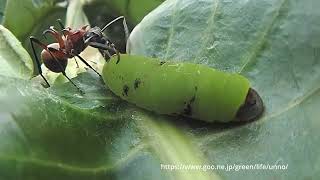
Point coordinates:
[(118, 60), (125, 90), (192, 99), (188, 109), (153, 55), (196, 88), (137, 82), (161, 63)]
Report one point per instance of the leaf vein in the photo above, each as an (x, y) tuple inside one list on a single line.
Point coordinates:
[(72, 168), (171, 30), (257, 47), (211, 20)]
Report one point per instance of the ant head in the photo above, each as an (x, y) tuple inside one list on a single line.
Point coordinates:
[(93, 35)]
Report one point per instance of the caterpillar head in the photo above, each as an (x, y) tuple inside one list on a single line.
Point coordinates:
[(252, 107)]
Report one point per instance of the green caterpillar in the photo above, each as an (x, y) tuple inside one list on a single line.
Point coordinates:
[(186, 89)]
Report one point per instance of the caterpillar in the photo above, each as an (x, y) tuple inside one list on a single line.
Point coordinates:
[(186, 89)]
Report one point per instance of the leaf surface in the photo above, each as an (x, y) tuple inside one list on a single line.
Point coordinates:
[(276, 45)]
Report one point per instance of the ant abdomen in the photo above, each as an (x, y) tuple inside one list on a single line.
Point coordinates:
[(54, 60)]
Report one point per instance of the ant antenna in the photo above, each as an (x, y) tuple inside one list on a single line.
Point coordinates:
[(125, 26)]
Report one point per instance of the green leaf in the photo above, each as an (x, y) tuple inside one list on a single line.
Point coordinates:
[(135, 10), (2, 6), (276, 45), (62, 134), (58, 133), (14, 59), (29, 18), (22, 17)]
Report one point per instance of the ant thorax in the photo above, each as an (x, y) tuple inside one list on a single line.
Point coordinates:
[(73, 40)]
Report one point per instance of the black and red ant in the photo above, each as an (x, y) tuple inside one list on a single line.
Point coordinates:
[(70, 43)]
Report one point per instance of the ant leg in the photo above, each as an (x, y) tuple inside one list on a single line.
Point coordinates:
[(48, 49), (60, 23), (105, 53), (117, 52), (63, 69), (108, 54), (76, 62), (34, 40), (85, 62), (125, 26), (65, 75), (63, 28), (56, 35), (106, 47)]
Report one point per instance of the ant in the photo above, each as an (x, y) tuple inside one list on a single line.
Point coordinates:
[(70, 43)]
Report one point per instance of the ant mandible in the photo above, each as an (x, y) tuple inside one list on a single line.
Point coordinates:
[(70, 43)]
